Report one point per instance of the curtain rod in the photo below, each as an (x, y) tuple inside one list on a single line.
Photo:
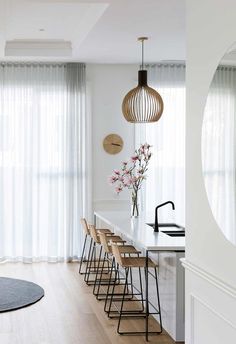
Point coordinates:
[(226, 67), (41, 63), (166, 64)]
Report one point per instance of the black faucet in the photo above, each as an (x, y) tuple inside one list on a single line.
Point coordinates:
[(156, 227)]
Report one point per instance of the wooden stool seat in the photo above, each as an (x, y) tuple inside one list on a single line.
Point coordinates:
[(131, 262), (95, 234), (129, 249), (106, 242), (114, 238), (104, 230), (137, 262)]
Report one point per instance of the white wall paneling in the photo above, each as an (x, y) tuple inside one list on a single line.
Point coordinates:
[(210, 308), (206, 246)]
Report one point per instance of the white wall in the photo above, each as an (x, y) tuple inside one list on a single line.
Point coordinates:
[(107, 85), (210, 258)]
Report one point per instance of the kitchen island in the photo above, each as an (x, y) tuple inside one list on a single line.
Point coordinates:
[(166, 250)]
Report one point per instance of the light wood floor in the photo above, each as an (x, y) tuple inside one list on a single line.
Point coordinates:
[(68, 314)]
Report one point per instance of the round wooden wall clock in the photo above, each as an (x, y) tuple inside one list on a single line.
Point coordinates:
[(113, 144)]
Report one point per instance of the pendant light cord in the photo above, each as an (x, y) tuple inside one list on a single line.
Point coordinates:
[(142, 54), (142, 39)]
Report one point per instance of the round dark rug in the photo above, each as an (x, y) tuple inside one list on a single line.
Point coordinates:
[(15, 293)]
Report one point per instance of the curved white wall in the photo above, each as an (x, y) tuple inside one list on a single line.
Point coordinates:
[(210, 258)]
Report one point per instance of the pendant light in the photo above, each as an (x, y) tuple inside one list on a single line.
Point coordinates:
[(142, 104)]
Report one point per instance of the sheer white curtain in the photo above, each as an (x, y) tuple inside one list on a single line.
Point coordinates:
[(43, 173), (166, 174), (219, 149)]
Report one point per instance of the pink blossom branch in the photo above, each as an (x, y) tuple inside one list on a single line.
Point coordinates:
[(132, 173)]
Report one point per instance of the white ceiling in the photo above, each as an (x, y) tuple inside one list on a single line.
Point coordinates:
[(99, 31)]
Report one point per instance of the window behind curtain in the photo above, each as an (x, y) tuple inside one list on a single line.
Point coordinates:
[(42, 168), (166, 174)]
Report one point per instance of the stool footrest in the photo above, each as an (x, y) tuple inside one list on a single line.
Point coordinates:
[(153, 333)]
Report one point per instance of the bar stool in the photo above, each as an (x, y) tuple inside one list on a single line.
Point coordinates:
[(87, 234), (96, 243), (108, 257), (137, 262)]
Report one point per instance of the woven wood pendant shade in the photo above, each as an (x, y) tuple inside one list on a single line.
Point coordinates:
[(142, 104)]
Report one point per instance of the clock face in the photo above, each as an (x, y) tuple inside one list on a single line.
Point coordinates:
[(113, 144)]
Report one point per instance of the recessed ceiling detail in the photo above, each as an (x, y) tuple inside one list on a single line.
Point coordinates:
[(65, 25), (100, 31), (53, 48)]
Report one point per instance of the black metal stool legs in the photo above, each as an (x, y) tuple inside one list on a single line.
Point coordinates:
[(158, 298), (147, 304), (145, 313), (83, 255), (92, 248), (123, 298), (98, 266)]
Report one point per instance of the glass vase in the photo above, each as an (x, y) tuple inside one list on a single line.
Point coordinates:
[(134, 204)]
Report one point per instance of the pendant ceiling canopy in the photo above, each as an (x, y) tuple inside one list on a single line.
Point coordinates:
[(142, 104)]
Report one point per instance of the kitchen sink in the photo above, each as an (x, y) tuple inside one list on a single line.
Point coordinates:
[(175, 233), (165, 225)]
